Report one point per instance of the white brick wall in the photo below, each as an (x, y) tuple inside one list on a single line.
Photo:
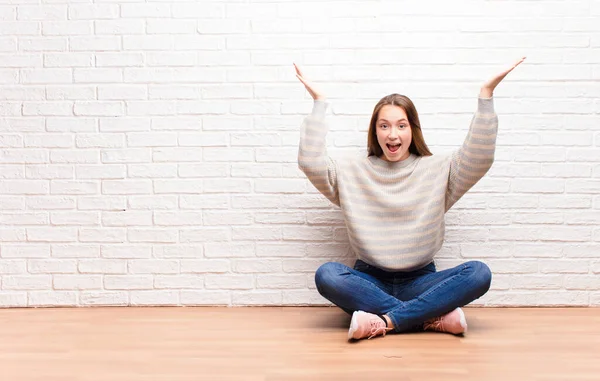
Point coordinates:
[(147, 150)]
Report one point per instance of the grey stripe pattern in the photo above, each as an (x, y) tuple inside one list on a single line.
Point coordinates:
[(394, 212)]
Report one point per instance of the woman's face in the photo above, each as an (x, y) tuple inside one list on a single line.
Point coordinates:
[(393, 133)]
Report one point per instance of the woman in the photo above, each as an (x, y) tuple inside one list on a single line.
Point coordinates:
[(394, 201)]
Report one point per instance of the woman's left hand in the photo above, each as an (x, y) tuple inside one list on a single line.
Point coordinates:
[(487, 89)]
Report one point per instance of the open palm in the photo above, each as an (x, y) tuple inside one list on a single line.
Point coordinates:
[(310, 87), (488, 87)]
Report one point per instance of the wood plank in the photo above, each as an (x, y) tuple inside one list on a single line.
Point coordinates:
[(291, 344)]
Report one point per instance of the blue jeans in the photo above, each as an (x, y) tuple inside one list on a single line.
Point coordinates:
[(407, 298)]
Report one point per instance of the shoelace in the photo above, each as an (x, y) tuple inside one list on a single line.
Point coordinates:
[(377, 328), (434, 324)]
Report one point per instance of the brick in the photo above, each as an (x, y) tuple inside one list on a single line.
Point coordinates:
[(178, 251), (581, 282), (101, 203), (68, 60), (538, 282), (125, 124), (178, 186), (99, 108), (178, 218), (126, 218), (257, 202), (178, 123), (77, 282), (153, 266), (126, 251), (75, 251), (17, 266), (127, 155), (75, 218), (208, 201), (152, 202), (128, 282), (104, 298), (153, 139), (100, 172), (227, 218), (257, 266), (152, 235), (178, 282), (72, 187), (228, 250), (280, 218), (119, 27), (121, 92), (126, 187), (564, 266), (74, 92), (280, 250), (102, 235), (205, 266), (152, 171), (256, 298), (26, 282), (154, 298), (52, 298), (304, 297), (229, 282), (205, 298), (204, 235), (49, 171), (287, 281), (52, 234), (256, 170), (13, 299), (227, 185), (93, 12), (102, 266), (256, 234)]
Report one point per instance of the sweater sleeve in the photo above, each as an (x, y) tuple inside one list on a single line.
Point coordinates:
[(473, 160), (319, 168)]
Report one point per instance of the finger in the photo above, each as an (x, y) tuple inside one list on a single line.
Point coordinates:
[(307, 85), (298, 70), (502, 75), (304, 82), (520, 61)]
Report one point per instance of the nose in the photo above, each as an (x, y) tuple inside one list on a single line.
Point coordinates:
[(393, 134)]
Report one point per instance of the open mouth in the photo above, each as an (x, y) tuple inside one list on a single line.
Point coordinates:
[(393, 147)]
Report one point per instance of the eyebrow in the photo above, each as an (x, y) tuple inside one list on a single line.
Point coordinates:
[(399, 120)]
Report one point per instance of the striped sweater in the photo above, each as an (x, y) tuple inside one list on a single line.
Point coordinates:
[(394, 211)]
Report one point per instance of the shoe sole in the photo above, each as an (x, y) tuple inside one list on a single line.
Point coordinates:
[(463, 320), (353, 326)]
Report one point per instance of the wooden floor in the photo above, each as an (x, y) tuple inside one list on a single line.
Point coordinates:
[(283, 344)]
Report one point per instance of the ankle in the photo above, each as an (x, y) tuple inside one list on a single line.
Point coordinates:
[(388, 320)]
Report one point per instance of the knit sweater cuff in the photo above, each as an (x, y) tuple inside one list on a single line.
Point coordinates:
[(319, 108), (486, 105)]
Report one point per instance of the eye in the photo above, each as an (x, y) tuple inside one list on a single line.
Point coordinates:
[(403, 126), (384, 126)]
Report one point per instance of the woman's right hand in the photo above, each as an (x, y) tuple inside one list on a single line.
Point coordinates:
[(310, 87)]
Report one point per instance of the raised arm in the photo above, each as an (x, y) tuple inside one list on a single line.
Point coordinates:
[(474, 159), (319, 168)]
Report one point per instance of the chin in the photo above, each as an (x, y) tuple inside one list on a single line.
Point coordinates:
[(396, 158)]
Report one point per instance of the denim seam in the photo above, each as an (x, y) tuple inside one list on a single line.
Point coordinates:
[(428, 292), (371, 284)]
